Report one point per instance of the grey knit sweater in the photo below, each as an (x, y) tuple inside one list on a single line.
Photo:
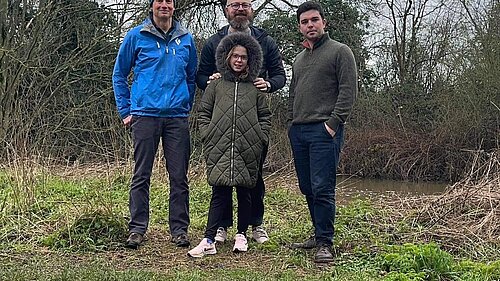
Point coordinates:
[(324, 84)]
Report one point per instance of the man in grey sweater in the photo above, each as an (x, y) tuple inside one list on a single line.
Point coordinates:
[(322, 93)]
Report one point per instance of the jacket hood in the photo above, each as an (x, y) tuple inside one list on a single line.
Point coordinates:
[(254, 55)]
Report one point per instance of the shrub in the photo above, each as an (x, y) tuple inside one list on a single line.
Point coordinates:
[(96, 230)]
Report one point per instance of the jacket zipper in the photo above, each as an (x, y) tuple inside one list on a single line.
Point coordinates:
[(166, 48), (233, 132), (167, 45)]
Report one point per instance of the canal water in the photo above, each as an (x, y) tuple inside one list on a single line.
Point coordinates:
[(349, 188)]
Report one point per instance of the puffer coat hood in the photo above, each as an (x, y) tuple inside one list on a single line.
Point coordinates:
[(253, 50)]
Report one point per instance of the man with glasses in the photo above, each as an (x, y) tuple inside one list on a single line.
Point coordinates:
[(239, 14)]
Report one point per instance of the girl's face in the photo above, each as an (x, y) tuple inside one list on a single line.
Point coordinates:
[(239, 59)]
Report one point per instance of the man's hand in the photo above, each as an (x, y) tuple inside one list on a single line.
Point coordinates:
[(262, 84), (127, 120), (330, 131), (214, 76)]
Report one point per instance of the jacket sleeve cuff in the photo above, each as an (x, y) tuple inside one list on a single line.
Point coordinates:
[(270, 86), (124, 114)]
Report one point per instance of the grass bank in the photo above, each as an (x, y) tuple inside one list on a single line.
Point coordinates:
[(71, 227)]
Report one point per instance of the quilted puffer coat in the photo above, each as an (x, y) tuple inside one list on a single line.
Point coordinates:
[(234, 119)]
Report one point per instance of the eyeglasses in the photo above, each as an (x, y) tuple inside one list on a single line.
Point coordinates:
[(237, 57), (236, 6)]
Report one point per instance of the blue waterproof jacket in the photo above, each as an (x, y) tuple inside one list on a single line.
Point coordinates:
[(163, 84)]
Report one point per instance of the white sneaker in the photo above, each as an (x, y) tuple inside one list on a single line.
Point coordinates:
[(204, 248), (221, 235), (240, 243), (259, 234)]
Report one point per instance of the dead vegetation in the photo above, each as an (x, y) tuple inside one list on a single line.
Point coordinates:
[(465, 219)]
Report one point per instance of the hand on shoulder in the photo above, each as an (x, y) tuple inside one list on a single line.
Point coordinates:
[(214, 76), (262, 84)]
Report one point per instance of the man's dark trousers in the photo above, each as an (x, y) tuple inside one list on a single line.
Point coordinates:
[(174, 134), (316, 157)]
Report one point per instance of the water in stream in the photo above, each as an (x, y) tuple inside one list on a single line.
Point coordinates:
[(350, 188)]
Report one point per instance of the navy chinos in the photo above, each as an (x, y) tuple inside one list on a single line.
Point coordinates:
[(316, 157)]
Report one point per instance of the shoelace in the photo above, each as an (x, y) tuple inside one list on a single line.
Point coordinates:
[(260, 232), (323, 250)]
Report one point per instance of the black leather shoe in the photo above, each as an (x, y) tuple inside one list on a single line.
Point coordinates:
[(323, 255), (181, 240), (308, 244), (134, 240)]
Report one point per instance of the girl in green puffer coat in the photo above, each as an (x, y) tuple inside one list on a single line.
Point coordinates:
[(234, 122)]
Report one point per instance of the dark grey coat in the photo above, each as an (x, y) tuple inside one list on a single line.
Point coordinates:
[(234, 119)]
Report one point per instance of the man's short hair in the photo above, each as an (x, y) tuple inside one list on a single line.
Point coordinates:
[(151, 2), (309, 5)]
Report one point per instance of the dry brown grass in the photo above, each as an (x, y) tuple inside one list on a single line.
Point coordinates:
[(465, 218)]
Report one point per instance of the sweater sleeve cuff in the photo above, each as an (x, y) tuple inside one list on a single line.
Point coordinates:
[(333, 123)]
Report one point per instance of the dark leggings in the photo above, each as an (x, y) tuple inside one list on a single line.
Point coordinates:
[(221, 200)]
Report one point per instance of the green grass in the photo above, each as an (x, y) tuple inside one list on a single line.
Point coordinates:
[(73, 229)]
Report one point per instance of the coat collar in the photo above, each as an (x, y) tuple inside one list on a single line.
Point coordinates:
[(177, 29), (318, 43)]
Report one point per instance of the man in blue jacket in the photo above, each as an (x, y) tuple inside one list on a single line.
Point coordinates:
[(239, 14), (162, 55)]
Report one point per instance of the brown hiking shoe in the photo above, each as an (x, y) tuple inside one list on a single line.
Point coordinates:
[(323, 255), (134, 240), (310, 243)]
